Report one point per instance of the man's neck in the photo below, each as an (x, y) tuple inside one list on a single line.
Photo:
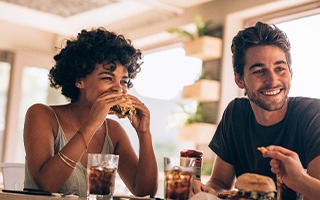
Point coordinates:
[(268, 118)]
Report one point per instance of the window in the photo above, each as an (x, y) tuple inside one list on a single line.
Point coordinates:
[(303, 35), (164, 74), (159, 86), (35, 88), (5, 67), (301, 24), (34, 84)]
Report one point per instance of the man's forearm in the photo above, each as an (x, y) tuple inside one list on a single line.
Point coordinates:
[(217, 185)]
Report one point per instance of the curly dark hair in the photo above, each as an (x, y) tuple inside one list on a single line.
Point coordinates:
[(258, 35), (80, 56)]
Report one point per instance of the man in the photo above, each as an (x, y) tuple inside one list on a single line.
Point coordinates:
[(267, 116)]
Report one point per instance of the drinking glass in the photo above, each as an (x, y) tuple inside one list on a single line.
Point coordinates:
[(286, 193), (102, 169), (178, 178)]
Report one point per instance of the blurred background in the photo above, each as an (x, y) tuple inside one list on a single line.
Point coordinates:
[(186, 92)]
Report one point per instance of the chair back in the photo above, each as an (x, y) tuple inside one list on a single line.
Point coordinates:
[(13, 175)]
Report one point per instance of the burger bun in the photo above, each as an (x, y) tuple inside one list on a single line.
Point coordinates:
[(251, 182)]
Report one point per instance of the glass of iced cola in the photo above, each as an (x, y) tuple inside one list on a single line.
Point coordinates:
[(102, 169), (177, 179), (286, 193)]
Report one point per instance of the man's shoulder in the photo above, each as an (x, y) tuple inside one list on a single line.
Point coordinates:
[(304, 101), (302, 98), (239, 102), (239, 105), (304, 106)]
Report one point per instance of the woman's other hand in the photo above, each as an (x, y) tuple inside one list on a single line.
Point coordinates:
[(141, 120)]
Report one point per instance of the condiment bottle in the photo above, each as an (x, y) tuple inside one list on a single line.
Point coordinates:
[(190, 153)]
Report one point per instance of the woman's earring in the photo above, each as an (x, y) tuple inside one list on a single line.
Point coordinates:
[(79, 85)]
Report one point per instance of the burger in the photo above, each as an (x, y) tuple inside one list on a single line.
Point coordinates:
[(124, 109), (255, 186), (252, 186)]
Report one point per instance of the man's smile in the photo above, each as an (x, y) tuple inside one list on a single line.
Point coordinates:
[(271, 93)]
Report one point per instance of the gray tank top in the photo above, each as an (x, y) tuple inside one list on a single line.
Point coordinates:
[(77, 182)]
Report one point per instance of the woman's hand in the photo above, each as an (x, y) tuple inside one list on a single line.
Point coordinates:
[(102, 106), (285, 163), (141, 120)]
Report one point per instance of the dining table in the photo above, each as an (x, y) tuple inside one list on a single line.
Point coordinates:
[(20, 196)]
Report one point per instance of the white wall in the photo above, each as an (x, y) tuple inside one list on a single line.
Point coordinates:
[(16, 37)]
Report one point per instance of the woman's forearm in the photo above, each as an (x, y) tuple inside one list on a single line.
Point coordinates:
[(147, 174), (308, 186)]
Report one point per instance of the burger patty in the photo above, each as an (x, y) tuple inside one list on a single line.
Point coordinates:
[(241, 194), (124, 111), (255, 195)]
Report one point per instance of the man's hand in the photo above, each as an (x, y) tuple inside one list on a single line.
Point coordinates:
[(197, 187)]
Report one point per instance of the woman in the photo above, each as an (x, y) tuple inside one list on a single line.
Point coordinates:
[(94, 72)]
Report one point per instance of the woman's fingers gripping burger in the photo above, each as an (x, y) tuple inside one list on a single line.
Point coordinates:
[(124, 109), (103, 104), (141, 120)]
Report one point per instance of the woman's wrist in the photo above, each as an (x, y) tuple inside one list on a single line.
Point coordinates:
[(89, 126), (300, 180), (145, 135)]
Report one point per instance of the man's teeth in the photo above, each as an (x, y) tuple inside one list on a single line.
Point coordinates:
[(272, 92)]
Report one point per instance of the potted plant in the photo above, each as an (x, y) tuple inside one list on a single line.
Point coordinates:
[(200, 44), (197, 127), (202, 90)]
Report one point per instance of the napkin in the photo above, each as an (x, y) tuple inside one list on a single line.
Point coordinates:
[(204, 196)]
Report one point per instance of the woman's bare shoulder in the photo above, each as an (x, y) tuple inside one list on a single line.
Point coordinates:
[(43, 108), (112, 122), (38, 108), (115, 128), (41, 112)]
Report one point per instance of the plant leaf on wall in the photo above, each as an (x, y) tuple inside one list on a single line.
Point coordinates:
[(181, 32), (202, 29)]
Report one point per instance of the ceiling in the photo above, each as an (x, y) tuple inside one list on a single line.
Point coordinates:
[(67, 17)]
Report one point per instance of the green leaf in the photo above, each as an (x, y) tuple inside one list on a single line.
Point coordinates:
[(202, 29), (181, 32), (198, 22), (207, 26), (196, 117)]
